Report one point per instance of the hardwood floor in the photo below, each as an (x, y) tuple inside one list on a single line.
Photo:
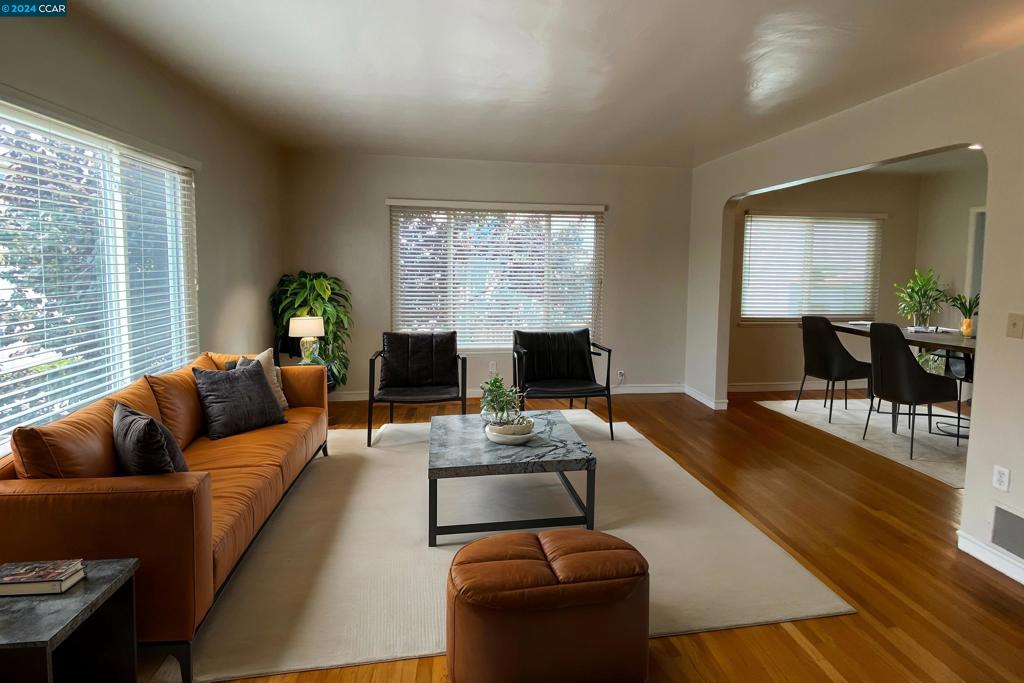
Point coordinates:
[(879, 534)]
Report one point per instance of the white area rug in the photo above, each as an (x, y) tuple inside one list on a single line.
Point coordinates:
[(937, 456), (342, 573)]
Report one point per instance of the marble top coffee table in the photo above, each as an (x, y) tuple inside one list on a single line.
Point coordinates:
[(459, 448)]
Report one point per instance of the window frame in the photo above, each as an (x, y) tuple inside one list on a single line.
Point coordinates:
[(115, 232), (480, 349), (794, 321)]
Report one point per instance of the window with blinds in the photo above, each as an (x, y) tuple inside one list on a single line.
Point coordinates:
[(810, 265), (487, 271), (97, 268)]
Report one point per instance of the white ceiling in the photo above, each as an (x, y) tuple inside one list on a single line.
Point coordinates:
[(603, 81)]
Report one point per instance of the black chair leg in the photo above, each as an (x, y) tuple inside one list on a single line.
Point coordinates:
[(895, 416), (463, 402), (611, 425), (391, 412), (824, 403), (929, 418), (846, 394), (570, 403), (871, 406), (959, 410), (799, 394), (832, 403), (586, 403), (913, 419), (369, 423)]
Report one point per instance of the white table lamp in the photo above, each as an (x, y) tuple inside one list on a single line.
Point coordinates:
[(309, 328)]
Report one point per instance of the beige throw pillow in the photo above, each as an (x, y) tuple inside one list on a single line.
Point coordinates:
[(272, 373)]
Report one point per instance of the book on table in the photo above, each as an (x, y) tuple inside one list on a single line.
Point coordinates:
[(39, 578)]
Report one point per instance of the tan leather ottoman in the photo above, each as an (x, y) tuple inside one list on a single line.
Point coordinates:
[(565, 606)]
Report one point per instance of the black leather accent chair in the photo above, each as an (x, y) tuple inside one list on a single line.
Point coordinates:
[(898, 377), (419, 367), (560, 365), (826, 358)]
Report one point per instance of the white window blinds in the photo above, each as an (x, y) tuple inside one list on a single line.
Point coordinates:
[(97, 268), (810, 265), (485, 272)]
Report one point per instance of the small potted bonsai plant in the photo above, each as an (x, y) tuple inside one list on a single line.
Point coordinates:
[(499, 408), (968, 307)]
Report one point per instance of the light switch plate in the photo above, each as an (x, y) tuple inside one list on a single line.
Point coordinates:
[(1015, 325)]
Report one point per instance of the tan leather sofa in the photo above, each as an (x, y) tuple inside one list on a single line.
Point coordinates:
[(60, 496)]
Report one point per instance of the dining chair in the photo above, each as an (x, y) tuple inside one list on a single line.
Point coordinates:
[(826, 358), (560, 365), (898, 377), (416, 367), (960, 367)]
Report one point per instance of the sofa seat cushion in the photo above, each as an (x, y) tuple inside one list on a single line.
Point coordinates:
[(81, 444), (286, 446), (242, 500)]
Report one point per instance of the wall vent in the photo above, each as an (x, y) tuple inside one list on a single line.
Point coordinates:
[(1008, 531)]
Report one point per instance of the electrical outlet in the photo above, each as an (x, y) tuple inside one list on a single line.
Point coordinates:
[(621, 375), (1015, 325), (492, 367), (1000, 478)]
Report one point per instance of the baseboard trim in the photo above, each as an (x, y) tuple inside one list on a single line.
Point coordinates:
[(997, 558), (649, 389), (342, 396), (710, 402), (814, 384)]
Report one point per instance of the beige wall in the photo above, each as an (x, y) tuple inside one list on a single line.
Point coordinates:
[(942, 236), (769, 356), (982, 102), (336, 221), (71, 64)]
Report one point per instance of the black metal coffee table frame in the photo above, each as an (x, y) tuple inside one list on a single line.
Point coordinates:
[(585, 517)]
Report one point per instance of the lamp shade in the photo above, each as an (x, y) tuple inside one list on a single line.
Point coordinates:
[(306, 326)]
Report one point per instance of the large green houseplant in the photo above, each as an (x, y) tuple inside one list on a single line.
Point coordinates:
[(322, 295), (921, 297)]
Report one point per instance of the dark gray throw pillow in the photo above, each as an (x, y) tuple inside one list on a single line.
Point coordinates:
[(236, 401), (144, 445)]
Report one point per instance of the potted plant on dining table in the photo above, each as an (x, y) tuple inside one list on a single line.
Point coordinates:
[(920, 298), (968, 307)]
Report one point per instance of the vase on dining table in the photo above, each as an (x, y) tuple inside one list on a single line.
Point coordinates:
[(967, 327)]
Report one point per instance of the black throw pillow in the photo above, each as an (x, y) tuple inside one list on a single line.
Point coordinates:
[(236, 401), (144, 445)]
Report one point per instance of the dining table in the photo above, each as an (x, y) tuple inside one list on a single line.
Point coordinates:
[(930, 341)]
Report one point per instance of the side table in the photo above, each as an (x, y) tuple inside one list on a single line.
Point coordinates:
[(86, 633)]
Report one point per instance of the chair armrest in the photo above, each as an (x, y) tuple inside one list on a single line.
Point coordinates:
[(608, 365), (462, 374), (373, 372), (164, 520), (305, 385), (518, 366)]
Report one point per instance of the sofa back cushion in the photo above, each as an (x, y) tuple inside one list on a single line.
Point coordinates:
[(419, 359), (81, 444), (178, 398)]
